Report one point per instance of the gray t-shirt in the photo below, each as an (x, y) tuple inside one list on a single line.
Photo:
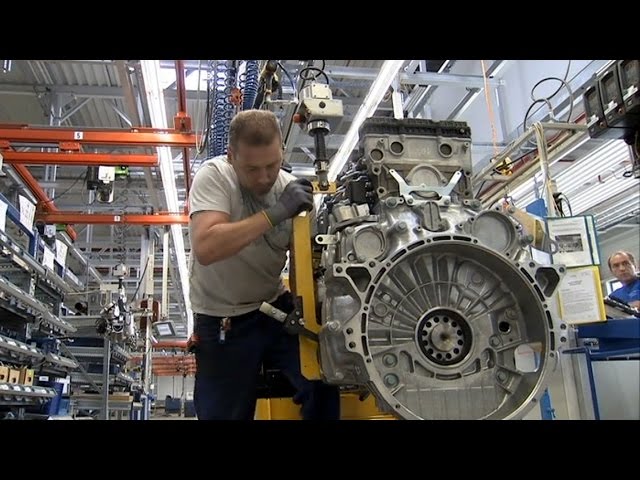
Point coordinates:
[(238, 284)]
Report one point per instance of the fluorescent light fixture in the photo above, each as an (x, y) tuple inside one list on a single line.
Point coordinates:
[(152, 74), (379, 87), (590, 181)]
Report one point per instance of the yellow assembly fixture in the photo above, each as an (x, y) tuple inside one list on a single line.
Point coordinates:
[(302, 284)]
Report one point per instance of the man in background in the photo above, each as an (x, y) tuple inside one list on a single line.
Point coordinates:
[(623, 266)]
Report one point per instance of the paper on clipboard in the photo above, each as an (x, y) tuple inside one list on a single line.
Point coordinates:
[(27, 212), (574, 243), (3, 216), (47, 258), (61, 253), (580, 296)]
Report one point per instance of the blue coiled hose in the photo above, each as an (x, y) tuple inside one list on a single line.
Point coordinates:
[(221, 83), (251, 82)]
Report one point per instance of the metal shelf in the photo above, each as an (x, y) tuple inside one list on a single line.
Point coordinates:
[(20, 352), (15, 348), (15, 253), (32, 307), (60, 362), (117, 353), (95, 402), (117, 379), (18, 394)]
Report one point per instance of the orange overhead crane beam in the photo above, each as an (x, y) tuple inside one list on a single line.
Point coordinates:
[(76, 218), (78, 158), (135, 137), (182, 121), (43, 200)]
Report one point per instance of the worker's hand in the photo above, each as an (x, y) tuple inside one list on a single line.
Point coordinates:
[(296, 197)]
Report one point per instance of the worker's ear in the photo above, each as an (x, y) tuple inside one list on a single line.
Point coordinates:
[(230, 154)]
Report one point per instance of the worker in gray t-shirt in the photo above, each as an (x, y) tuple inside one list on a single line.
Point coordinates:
[(241, 206)]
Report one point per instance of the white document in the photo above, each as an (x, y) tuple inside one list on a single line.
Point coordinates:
[(61, 252), (3, 216), (580, 298), (27, 213), (47, 258), (574, 246)]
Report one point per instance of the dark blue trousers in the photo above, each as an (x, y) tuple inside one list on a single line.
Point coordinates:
[(228, 371)]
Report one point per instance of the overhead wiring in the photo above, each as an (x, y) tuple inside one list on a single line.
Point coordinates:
[(547, 99), (68, 189)]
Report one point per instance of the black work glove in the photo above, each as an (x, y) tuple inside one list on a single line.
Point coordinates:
[(296, 197)]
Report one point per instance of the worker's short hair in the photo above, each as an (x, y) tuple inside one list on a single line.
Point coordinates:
[(621, 252), (254, 128)]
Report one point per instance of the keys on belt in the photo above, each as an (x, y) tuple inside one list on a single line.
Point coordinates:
[(225, 326)]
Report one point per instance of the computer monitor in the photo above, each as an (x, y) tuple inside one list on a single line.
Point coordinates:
[(164, 329)]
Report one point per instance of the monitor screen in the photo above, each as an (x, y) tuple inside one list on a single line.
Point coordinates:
[(164, 329)]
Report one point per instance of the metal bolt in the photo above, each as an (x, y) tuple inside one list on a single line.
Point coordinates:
[(401, 226), (447, 201), (494, 341), (417, 229), (510, 313), (349, 230), (333, 326), (300, 321), (372, 264), (339, 375), (502, 376), (390, 380), (389, 360)]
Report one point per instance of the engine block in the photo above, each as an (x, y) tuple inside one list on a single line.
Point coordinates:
[(427, 300)]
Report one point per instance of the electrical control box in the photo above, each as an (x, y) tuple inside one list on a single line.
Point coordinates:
[(611, 102), (629, 76)]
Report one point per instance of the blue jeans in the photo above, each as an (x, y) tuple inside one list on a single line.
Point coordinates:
[(227, 372)]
